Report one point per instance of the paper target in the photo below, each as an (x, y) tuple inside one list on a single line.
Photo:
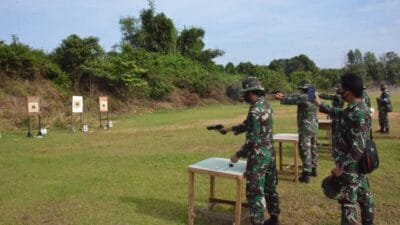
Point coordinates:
[(33, 104), (77, 104), (103, 104)]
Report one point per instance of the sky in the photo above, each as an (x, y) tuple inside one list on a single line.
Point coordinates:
[(258, 31)]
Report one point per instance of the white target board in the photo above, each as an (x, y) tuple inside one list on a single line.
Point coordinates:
[(33, 104), (77, 104), (103, 104)]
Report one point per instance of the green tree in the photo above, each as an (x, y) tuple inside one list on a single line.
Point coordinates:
[(350, 57), (73, 53), (294, 64), (355, 63), (230, 68), (190, 42), (391, 64), (131, 32), (371, 64), (152, 32)]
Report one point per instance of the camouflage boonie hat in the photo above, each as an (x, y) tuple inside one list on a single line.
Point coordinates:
[(304, 84), (331, 187), (251, 84)]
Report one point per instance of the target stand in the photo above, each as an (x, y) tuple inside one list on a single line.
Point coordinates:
[(33, 109), (77, 110), (104, 112)]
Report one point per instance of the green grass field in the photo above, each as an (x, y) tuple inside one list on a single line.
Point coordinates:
[(136, 173)]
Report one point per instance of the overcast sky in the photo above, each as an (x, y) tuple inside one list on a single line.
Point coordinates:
[(247, 30)]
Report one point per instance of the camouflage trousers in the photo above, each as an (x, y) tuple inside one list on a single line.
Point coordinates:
[(355, 191), (383, 120), (261, 193), (308, 151)]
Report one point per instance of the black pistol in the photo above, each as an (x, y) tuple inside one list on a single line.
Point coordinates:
[(215, 127)]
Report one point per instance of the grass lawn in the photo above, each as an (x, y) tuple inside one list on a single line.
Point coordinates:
[(136, 173)]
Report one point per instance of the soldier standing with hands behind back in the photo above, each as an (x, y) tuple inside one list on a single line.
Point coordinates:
[(384, 106), (307, 124), (261, 174)]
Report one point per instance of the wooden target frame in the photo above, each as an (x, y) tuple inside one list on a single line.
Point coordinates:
[(104, 110), (33, 110), (77, 109)]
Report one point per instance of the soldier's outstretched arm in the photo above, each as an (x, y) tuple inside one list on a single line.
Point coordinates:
[(240, 128), (326, 96), (292, 100), (333, 112)]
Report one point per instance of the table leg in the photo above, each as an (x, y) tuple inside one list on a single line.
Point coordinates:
[(296, 164), (191, 199), (212, 192), (238, 206), (280, 157)]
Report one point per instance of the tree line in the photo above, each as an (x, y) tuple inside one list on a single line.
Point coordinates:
[(153, 58)]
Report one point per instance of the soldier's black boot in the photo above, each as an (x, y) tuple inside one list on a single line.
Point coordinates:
[(305, 177), (314, 172), (273, 220), (387, 130)]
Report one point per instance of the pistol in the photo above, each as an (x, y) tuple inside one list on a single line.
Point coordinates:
[(215, 127)]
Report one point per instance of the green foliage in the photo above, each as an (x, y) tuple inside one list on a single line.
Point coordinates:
[(18, 60), (152, 32), (297, 63), (326, 79), (274, 81), (75, 52), (297, 77), (368, 67), (230, 68)]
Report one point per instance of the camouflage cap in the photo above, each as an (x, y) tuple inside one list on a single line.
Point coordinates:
[(383, 86), (251, 84), (331, 187), (304, 84)]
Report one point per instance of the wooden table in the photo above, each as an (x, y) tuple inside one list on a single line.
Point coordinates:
[(218, 167), (290, 138), (326, 124)]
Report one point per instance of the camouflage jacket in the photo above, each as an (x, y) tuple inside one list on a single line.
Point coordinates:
[(337, 100), (383, 101), (307, 122), (350, 140), (366, 99), (258, 147)]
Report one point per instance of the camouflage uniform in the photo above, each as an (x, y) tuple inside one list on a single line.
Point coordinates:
[(261, 173), (307, 124), (348, 143), (383, 101), (366, 99), (337, 102)]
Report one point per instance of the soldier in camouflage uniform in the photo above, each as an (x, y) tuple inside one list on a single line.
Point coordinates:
[(337, 102), (384, 106), (307, 124), (261, 173), (348, 145), (366, 98)]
